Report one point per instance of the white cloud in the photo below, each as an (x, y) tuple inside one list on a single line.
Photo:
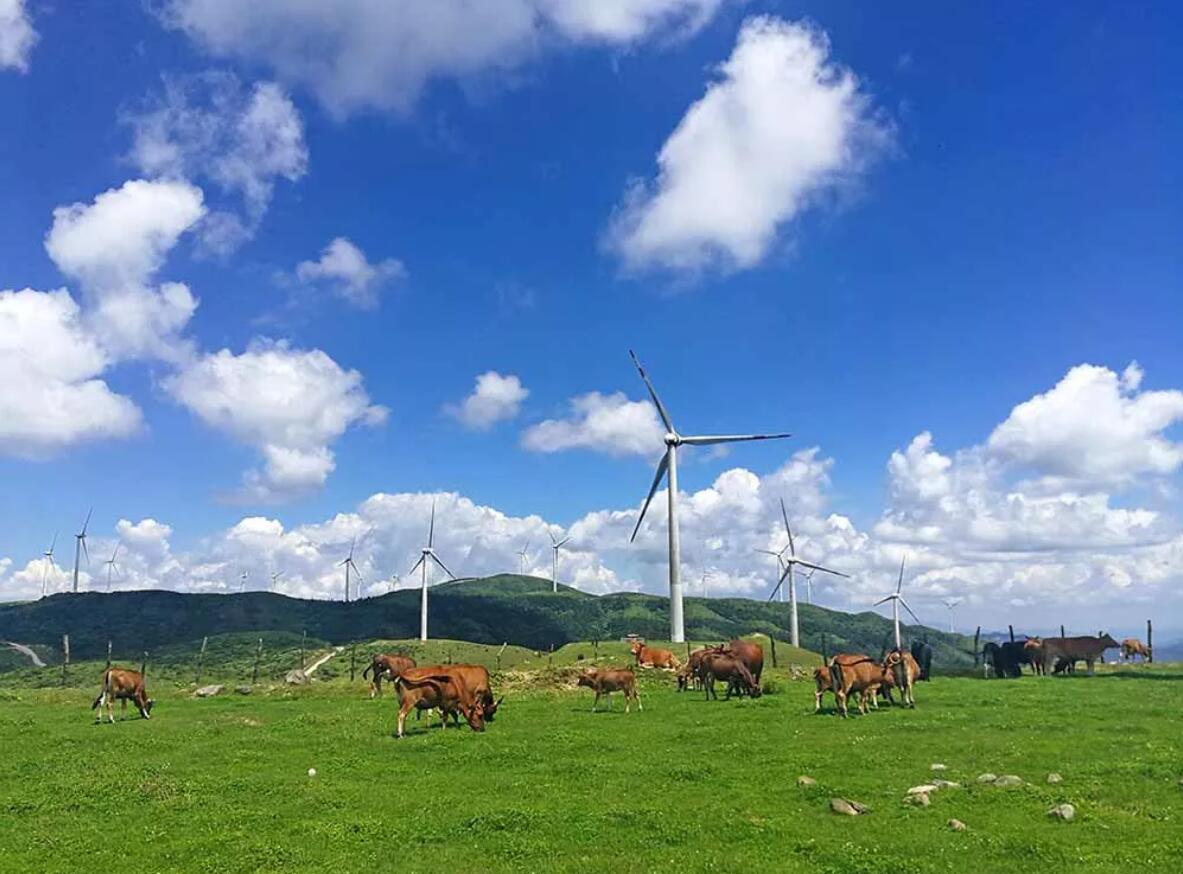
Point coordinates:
[(113, 247), (357, 54), (781, 127), (209, 126), (290, 404), (50, 394), (344, 269), (1093, 428), (605, 423), (495, 398), (17, 36)]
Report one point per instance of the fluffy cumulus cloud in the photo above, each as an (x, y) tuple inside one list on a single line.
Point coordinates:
[(290, 404), (1094, 428), (211, 127), (605, 423), (17, 36), (495, 398), (357, 54), (344, 269), (51, 396), (781, 127), (113, 246)]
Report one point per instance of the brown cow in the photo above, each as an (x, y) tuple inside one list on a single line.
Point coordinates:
[(1131, 647), (689, 674), (854, 672), (433, 688), (1033, 654), (605, 681), (386, 667), (750, 653), (476, 678), (1086, 649), (904, 671), (650, 657), (726, 666), (122, 684)]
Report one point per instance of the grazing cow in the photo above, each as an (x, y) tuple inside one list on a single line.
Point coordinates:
[(1131, 647), (922, 653), (433, 688), (649, 657), (605, 681), (385, 667), (689, 675), (476, 678), (750, 653), (1033, 654), (725, 666), (904, 671), (1086, 649), (854, 672), (124, 685)]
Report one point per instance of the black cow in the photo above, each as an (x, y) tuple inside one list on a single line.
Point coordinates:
[(1006, 660), (922, 652)]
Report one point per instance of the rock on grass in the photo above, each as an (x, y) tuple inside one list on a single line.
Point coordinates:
[(1008, 780), (1054, 778), (987, 777), (920, 799), (806, 781), (957, 825), (1065, 812), (846, 807)]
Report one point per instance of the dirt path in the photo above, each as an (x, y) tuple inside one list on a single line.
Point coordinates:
[(320, 661), (25, 651)]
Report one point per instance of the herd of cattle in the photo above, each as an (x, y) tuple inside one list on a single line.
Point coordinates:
[(464, 690)]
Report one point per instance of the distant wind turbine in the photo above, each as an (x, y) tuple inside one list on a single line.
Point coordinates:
[(555, 545), (394, 581), (668, 467), (707, 576), (111, 566), (896, 600), (523, 554), (348, 564), (809, 586), (791, 561), (426, 557), (50, 566), (275, 575), (951, 603), (80, 547), (242, 578)]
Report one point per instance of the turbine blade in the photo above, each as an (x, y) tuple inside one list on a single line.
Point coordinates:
[(431, 529), (54, 544), (415, 566), (436, 559), (352, 544), (87, 522), (818, 567), (85, 550), (711, 439), (661, 411), (769, 552), (900, 585), (776, 589), (909, 609), (561, 542), (789, 531), (662, 466), (883, 600)]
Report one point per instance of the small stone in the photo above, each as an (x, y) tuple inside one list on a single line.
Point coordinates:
[(209, 691), (1008, 780), (1054, 778), (937, 766), (987, 777), (243, 690), (923, 789), (1065, 812), (920, 799), (296, 678), (957, 825), (946, 784), (846, 807), (806, 781), (312, 772)]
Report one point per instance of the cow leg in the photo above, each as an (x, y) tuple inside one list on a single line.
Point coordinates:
[(817, 701), (627, 701), (637, 698), (101, 703), (597, 701), (1091, 664), (111, 708), (403, 708), (841, 698)]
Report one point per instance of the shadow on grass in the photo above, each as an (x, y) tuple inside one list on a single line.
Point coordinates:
[(1130, 675)]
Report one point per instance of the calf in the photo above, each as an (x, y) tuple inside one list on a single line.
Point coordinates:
[(650, 657), (822, 682), (125, 685), (689, 675), (1131, 647), (385, 667), (853, 672), (725, 666), (434, 688), (605, 681)]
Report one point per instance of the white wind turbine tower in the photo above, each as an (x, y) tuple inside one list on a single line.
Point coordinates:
[(50, 566), (668, 466), (426, 557), (242, 578), (809, 586), (111, 566), (393, 583), (80, 547), (555, 545), (790, 572), (707, 576), (951, 603), (523, 554), (349, 565), (896, 600)]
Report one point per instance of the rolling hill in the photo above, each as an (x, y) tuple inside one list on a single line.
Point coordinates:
[(505, 608)]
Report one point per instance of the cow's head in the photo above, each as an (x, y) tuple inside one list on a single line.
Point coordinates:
[(587, 678), (475, 716), (635, 647), (1109, 641), (490, 708), (148, 707)]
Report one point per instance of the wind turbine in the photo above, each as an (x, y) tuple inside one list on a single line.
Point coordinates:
[(668, 466), (706, 578), (951, 603), (554, 560), (809, 586), (789, 573), (275, 575), (80, 547), (51, 566), (349, 564), (427, 555), (896, 600), (523, 554), (242, 578), (111, 566), (780, 566), (394, 581)]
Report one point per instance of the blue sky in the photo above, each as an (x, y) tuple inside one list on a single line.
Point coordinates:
[(1017, 216)]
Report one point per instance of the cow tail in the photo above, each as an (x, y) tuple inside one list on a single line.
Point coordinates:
[(835, 676), (103, 691), (366, 670)]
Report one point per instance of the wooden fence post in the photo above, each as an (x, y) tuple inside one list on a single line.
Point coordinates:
[(258, 655), (352, 660), (977, 645), (772, 644), (200, 662), (65, 657), (1011, 629), (1062, 634), (303, 640), (1149, 642)]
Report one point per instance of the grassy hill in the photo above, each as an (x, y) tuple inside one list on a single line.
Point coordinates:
[(501, 609)]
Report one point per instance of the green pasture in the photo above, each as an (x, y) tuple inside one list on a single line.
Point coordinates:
[(222, 784)]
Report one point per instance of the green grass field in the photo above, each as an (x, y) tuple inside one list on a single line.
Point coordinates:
[(222, 785)]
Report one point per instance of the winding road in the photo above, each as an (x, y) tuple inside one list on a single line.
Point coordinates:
[(28, 653)]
